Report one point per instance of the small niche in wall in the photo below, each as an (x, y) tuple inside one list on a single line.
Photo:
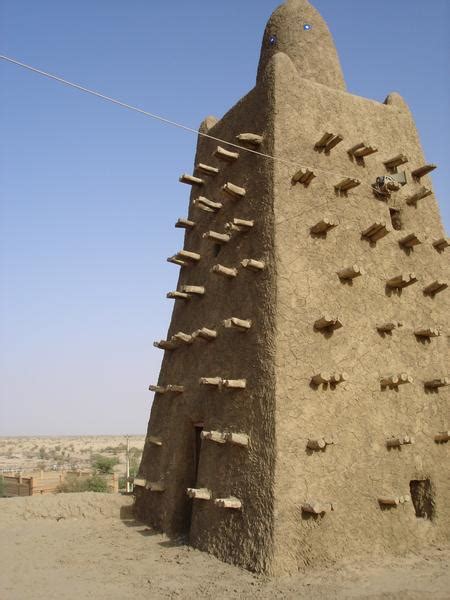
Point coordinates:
[(422, 498), (396, 218)]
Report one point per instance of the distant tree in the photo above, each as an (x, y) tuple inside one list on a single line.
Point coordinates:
[(104, 464), (71, 484), (74, 484), (97, 483)]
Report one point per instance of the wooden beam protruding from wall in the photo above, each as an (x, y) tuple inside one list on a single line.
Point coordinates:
[(240, 324), (419, 195), (401, 281), (376, 231), (396, 161), (347, 184), (434, 288), (234, 191), (191, 180), (225, 271), (323, 226), (226, 154), (254, 265), (434, 384), (250, 138), (231, 503), (396, 380), (327, 142), (304, 176), (207, 169), (351, 272), (199, 493), (206, 205), (327, 322), (184, 224), (409, 241), (389, 327), (362, 150), (422, 171)]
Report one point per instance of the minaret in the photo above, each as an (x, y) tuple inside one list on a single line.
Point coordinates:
[(301, 413), (298, 30)]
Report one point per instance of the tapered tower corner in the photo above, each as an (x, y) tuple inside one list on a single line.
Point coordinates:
[(297, 29), (301, 412)]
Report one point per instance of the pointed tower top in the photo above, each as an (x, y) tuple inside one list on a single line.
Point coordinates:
[(297, 29)]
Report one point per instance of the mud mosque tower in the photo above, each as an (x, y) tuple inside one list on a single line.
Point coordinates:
[(302, 408)]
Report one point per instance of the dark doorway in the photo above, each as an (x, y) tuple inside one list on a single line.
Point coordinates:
[(422, 498), (197, 447)]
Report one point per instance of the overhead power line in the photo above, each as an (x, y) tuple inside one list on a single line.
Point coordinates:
[(139, 110), (146, 113)]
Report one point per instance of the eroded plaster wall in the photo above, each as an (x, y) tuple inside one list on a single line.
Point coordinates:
[(242, 536), (358, 415)]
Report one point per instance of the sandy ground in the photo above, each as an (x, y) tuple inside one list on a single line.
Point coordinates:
[(81, 546)]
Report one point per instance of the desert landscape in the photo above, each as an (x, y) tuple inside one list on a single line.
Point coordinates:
[(71, 546), (28, 454)]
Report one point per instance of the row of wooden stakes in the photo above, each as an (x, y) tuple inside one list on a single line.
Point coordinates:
[(181, 338), (322, 378), (205, 494), (330, 322), (304, 176), (328, 141), (325, 378), (183, 257), (219, 437), (198, 494), (231, 502), (230, 272), (235, 384), (325, 144), (313, 443), (325, 323), (377, 231), (319, 508), (395, 441), (400, 281), (373, 233)]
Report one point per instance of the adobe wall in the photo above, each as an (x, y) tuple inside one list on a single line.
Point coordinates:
[(243, 537), (358, 468)]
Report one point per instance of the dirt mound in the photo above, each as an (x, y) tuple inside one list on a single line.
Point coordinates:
[(87, 505)]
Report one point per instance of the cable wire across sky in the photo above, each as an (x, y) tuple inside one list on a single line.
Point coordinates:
[(165, 120)]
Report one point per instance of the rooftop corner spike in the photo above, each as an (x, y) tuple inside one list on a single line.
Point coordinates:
[(298, 30)]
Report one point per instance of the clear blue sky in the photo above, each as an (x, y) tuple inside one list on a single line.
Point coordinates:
[(90, 192)]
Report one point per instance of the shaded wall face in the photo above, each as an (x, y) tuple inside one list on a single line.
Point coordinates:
[(243, 537), (358, 415)]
